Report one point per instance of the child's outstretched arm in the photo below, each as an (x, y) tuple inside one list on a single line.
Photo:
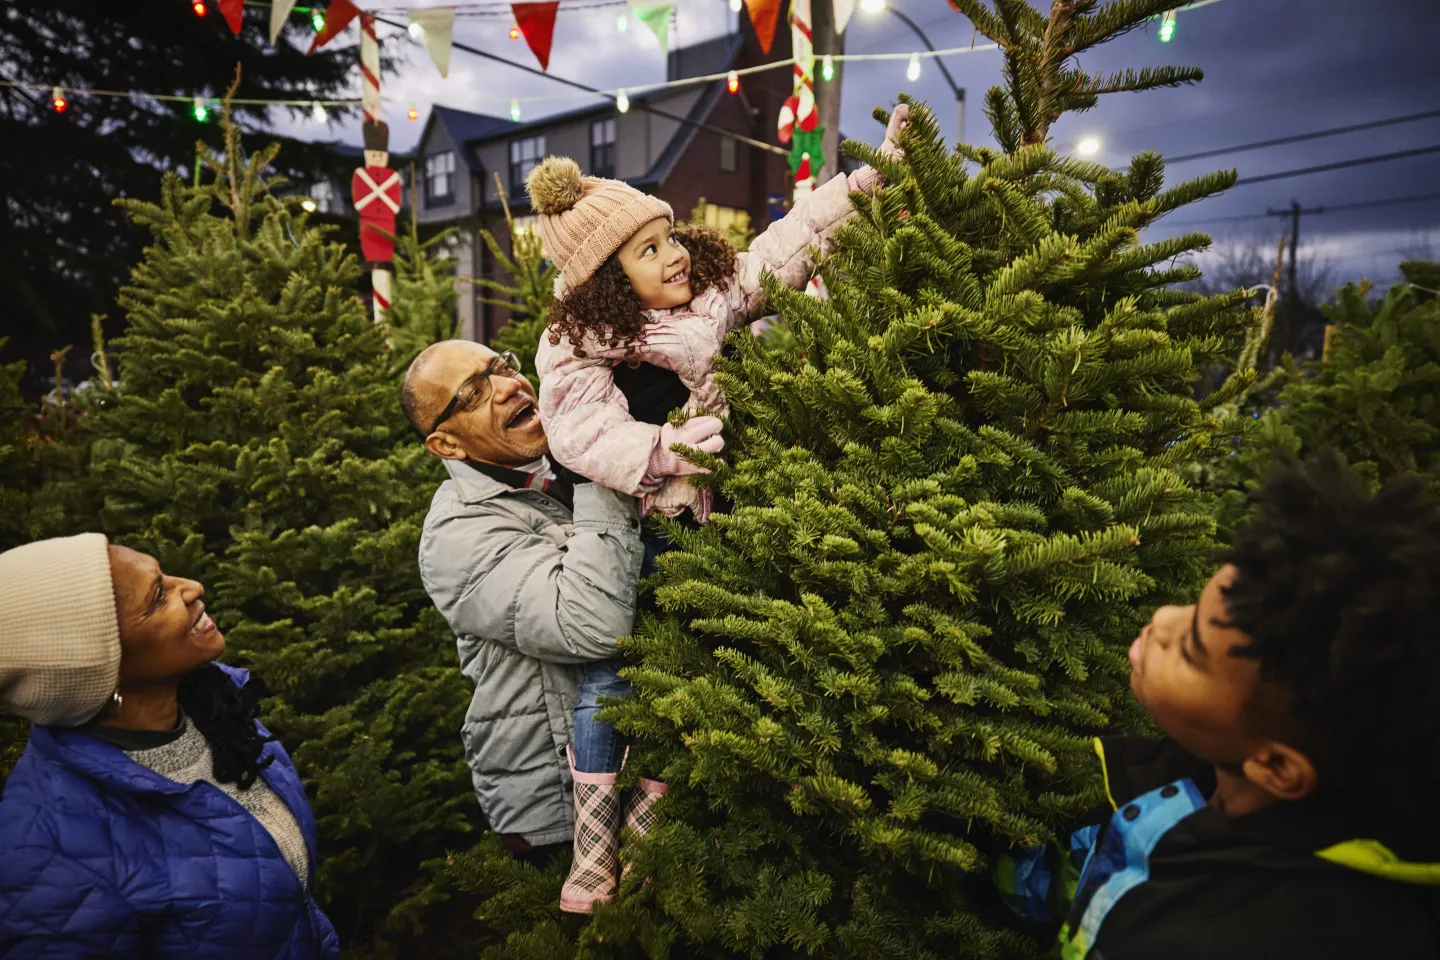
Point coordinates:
[(787, 246), (587, 420)]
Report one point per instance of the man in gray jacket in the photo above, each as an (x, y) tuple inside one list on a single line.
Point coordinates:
[(534, 572)]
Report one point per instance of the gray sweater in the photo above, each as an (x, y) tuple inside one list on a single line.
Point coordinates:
[(187, 759)]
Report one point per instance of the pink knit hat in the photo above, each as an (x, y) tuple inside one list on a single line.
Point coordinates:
[(583, 220)]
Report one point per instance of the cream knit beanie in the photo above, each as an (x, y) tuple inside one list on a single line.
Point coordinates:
[(583, 220), (59, 636)]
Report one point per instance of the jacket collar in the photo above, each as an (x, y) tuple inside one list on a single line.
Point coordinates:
[(472, 485)]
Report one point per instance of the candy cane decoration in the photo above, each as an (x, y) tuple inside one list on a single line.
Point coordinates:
[(800, 107), (370, 67)]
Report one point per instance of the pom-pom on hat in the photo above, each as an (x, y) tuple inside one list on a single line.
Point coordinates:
[(59, 635), (583, 220)]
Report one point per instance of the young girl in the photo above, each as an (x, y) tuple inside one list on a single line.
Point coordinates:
[(642, 310)]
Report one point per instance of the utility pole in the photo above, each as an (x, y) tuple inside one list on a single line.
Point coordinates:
[(1294, 213), (827, 91)]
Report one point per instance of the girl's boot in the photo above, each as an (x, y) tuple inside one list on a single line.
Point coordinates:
[(592, 877), (639, 816)]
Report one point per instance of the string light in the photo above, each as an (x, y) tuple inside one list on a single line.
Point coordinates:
[(622, 23), (515, 32), (732, 82), (735, 5), (1088, 147), (415, 30), (872, 6), (412, 113), (58, 101), (199, 7), (912, 72), (200, 110), (317, 20), (307, 205), (622, 101), (514, 111), (317, 110), (827, 68), (1167, 26)]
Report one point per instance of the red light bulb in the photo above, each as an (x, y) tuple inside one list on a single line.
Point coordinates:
[(732, 82), (58, 101), (199, 7), (514, 33)]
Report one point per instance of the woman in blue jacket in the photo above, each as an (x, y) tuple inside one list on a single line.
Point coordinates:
[(151, 816)]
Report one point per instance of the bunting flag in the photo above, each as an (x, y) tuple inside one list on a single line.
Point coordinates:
[(337, 17), (657, 18), (537, 22), (764, 15), (232, 11), (843, 10), (279, 11), (437, 26)]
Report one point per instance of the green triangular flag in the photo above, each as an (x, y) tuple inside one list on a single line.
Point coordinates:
[(657, 18)]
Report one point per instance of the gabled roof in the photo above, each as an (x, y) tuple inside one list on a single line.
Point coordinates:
[(465, 127)]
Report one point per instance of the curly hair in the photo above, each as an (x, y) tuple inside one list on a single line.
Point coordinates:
[(226, 716), (1340, 595), (608, 306)]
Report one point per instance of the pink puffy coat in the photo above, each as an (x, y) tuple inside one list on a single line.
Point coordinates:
[(586, 416)]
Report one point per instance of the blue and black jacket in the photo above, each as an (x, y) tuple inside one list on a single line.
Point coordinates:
[(1158, 873)]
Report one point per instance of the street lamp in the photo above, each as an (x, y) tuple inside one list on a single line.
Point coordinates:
[(875, 6)]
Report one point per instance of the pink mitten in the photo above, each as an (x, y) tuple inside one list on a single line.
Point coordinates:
[(701, 433), (898, 118)]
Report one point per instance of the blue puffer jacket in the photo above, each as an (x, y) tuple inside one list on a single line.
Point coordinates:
[(101, 857)]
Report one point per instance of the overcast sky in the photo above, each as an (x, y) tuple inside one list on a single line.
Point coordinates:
[(1273, 68)]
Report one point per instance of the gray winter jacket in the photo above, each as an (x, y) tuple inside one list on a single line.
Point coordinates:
[(531, 594)]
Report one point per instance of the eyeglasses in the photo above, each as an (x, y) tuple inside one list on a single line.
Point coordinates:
[(476, 390)]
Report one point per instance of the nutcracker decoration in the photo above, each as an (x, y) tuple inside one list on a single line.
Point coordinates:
[(376, 192)]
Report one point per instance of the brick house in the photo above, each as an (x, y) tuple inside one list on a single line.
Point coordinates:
[(460, 153)]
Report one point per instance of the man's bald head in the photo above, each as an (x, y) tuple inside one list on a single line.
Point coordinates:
[(503, 429)]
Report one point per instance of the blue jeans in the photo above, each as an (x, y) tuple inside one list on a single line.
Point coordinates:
[(598, 747)]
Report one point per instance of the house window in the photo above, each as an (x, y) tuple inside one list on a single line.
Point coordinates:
[(525, 155), (440, 177), (602, 148), (729, 155), (323, 193), (725, 219)]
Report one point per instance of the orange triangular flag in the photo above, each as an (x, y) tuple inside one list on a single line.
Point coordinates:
[(337, 16), (537, 22), (764, 14)]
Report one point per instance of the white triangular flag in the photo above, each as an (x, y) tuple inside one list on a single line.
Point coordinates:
[(656, 16), (437, 26), (279, 10), (843, 10)]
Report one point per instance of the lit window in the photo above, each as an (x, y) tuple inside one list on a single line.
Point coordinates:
[(323, 193)]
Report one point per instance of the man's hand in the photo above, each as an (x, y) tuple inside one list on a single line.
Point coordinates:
[(899, 117), (701, 433)]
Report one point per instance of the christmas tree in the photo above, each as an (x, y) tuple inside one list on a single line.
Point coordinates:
[(528, 293), (956, 499), (1373, 396), (256, 444)]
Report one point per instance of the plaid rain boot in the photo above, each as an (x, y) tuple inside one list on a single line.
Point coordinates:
[(639, 817), (592, 877)]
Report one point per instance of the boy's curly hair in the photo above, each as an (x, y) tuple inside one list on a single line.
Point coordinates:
[(607, 305), (1340, 594)]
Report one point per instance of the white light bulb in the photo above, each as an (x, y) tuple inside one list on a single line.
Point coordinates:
[(872, 6), (515, 111), (622, 23), (416, 30), (622, 102), (1088, 147), (735, 5), (912, 72), (307, 205), (317, 110)]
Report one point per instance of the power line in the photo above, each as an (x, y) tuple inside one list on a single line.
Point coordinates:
[(1341, 165), (1335, 208), (1297, 138)]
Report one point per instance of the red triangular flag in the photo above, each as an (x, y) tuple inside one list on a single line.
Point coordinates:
[(764, 14), (231, 10), (337, 17), (537, 22)]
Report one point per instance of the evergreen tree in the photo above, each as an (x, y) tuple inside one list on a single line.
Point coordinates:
[(423, 308), (1373, 396), (256, 444), (956, 499), (527, 295)]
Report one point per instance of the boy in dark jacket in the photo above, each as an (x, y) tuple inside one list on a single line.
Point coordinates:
[(1289, 812)]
